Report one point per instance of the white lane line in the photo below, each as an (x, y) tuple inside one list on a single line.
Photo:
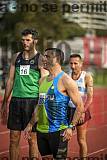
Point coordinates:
[(103, 149), (4, 132), (6, 151)]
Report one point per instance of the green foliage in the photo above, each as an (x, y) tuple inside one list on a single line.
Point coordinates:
[(44, 15), (100, 77), (101, 32)]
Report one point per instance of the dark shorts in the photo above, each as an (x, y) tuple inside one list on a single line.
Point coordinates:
[(52, 144), (20, 113), (71, 112)]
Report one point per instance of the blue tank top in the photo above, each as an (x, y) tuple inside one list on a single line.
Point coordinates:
[(56, 106)]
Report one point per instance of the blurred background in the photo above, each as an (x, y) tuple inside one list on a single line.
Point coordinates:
[(74, 26)]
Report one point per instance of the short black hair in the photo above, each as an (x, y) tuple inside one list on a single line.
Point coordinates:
[(75, 56), (33, 32), (57, 53)]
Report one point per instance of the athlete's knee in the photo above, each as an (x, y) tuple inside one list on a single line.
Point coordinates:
[(32, 140), (81, 140), (14, 139)]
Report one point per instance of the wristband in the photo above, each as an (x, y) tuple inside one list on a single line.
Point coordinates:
[(72, 126)]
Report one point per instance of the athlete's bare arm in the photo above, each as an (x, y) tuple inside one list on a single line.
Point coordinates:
[(73, 92), (10, 80), (89, 86), (34, 118), (8, 89), (44, 73)]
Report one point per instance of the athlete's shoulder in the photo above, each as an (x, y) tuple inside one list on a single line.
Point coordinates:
[(67, 79), (88, 75), (65, 75), (14, 57), (89, 78)]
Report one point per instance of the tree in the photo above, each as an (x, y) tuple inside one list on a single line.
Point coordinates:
[(44, 15)]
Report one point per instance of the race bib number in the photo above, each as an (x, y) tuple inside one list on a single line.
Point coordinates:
[(42, 97), (24, 69)]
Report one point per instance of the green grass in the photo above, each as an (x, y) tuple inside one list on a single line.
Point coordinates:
[(100, 77)]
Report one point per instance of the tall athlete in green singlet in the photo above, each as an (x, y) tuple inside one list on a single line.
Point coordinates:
[(23, 82)]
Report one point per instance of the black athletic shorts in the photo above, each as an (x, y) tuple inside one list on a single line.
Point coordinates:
[(20, 113), (52, 144), (71, 112)]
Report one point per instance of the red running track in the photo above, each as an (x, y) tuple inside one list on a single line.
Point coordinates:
[(96, 134)]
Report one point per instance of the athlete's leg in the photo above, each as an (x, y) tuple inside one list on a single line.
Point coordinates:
[(28, 106), (58, 145), (81, 137), (14, 144), (43, 145), (33, 148)]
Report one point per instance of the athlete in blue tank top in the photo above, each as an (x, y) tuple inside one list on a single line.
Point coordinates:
[(53, 140), (54, 108)]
